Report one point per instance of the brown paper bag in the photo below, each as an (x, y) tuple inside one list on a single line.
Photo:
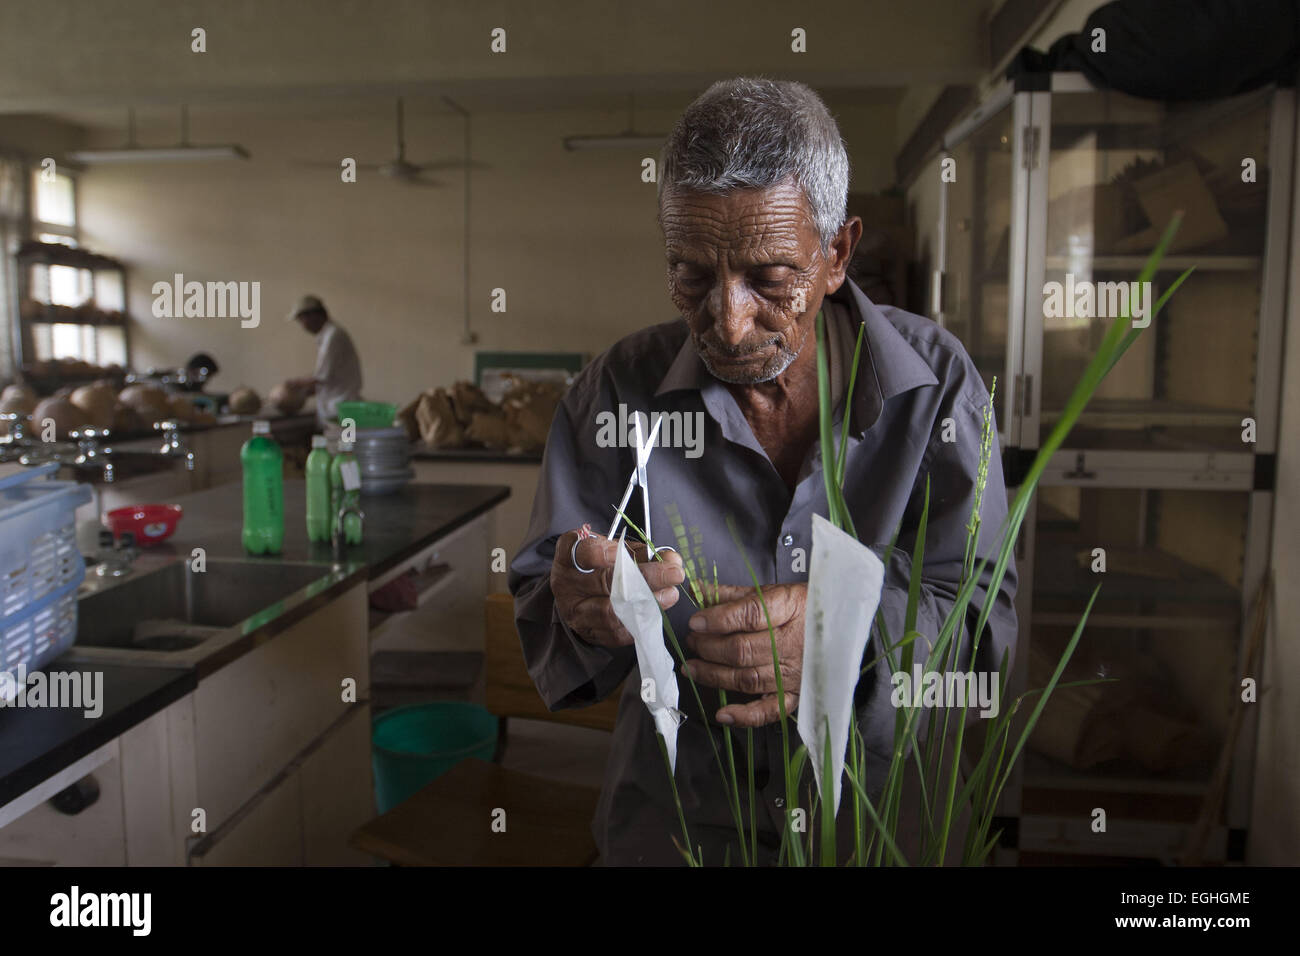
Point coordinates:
[(490, 429), (468, 400), (438, 425)]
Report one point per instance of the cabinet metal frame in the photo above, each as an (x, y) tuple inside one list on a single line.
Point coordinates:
[(1031, 101)]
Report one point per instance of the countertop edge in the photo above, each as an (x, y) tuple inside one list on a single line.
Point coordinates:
[(502, 492), (98, 733), (470, 456)]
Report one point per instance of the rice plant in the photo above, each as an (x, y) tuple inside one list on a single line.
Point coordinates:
[(945, 789)]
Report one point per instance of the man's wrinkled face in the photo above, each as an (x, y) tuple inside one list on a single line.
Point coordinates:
[(747, 271)]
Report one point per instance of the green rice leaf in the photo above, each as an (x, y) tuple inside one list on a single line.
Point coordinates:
[(828, 815), (842, 459), (886, 836), (825, 410), (914, 585)]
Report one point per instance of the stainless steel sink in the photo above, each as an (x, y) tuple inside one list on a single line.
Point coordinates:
[(175, 614)]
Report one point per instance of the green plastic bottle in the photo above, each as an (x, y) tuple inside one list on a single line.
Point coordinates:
[(263, 492), (345, 491), (318, 491)]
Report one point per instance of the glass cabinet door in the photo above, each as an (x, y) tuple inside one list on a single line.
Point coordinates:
[(1164, 629), (1118, 169), (974, 297)]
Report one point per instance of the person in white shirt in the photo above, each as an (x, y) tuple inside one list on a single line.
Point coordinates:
[(338, 367)]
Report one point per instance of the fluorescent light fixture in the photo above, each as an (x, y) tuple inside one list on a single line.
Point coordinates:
[(621, 141), (158, 154)]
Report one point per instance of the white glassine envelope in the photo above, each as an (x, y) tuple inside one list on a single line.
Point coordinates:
[(635, 606), (844, 582)]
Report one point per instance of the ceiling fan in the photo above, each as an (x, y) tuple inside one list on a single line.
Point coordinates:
[(400, 169)]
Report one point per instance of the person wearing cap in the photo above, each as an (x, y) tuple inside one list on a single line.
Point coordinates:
[(198, 370), (338, 367)]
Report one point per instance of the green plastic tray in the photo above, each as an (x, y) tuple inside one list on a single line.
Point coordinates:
[(368, 414)]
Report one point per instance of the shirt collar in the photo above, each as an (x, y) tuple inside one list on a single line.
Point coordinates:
[(889, 367), (687, 371)]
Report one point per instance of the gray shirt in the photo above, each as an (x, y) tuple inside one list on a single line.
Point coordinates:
[(912, 377)]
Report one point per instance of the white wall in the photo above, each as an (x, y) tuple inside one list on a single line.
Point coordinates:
[(570, 236)]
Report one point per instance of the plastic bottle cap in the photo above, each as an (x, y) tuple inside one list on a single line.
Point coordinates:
[(318, 441), (261, 428)]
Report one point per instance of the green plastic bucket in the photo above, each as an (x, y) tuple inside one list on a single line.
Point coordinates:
[(414, 745)]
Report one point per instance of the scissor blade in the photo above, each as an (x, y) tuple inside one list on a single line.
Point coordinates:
[(644, 449), (622, 506), (642, 458), (640, 452), (645, 509), (643, 454)]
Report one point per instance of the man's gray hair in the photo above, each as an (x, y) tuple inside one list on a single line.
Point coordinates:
[(751, 133)]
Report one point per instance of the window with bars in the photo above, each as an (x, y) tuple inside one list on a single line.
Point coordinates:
[(54, 206), (67, 302), (13, 225)]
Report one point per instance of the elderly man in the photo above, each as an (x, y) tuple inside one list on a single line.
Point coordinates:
[(752, 197)]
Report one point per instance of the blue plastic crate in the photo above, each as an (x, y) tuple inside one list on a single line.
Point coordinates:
[(40, 567)]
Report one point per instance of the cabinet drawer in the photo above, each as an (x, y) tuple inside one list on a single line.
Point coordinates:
[(267, 832), (337, 792), (254, 716)]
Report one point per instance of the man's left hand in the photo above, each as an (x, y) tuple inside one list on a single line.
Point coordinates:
[(735, 650)]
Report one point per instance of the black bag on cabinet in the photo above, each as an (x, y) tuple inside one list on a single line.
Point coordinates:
[(1179, 49)]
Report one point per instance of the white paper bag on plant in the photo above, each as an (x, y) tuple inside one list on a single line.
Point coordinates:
[(635, 606), (844, 582)]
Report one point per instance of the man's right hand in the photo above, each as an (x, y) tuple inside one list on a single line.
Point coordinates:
[(582, 600)]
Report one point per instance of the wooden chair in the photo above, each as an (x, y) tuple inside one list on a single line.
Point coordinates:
[(451, 821)]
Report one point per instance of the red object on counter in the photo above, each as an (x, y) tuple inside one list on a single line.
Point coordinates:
[(149, 523)]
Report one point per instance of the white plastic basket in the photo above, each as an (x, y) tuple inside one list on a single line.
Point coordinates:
[(40, 567)]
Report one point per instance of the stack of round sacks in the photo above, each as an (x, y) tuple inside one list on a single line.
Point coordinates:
[(384, 456)]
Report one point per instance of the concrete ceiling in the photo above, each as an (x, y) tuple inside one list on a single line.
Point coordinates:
[(73, 58)]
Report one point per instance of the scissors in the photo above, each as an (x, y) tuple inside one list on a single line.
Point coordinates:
[(638, 477)]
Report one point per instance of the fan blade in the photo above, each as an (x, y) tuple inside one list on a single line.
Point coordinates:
[(324, 164), (453, 164)]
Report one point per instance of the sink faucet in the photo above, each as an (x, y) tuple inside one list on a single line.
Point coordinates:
[(173, 445), (115, 559), (14, 441), (90, 453), (337, 537), (14, 427)]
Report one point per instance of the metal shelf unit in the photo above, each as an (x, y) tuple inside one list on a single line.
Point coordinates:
[(1056, 177)]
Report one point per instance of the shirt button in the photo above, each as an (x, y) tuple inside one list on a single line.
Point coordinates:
[(788, 540), (780, 802)]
